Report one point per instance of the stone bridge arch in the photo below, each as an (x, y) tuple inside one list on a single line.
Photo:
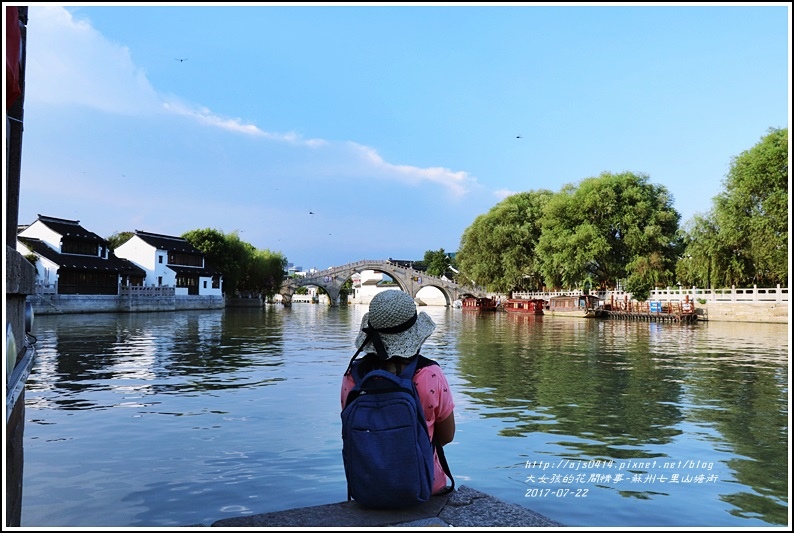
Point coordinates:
[(408, 279)]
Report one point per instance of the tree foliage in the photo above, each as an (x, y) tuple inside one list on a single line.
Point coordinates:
[(497, 250), (752, 213), (244, 268), (704, 254), (119, 238), (264, 272), (226, 253), (606, 229), (743, 240), (621, 229), (437, 262)]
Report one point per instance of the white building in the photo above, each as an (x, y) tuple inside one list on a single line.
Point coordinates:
[(172, 261), (70, 259)]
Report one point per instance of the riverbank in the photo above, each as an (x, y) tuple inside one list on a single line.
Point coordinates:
[(63, 304), (761, 312), (465, 507)]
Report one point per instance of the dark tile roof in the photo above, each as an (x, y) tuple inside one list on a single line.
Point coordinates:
[(128, 268), (70, 228), (83, 262), (208, 271), (167, 242)]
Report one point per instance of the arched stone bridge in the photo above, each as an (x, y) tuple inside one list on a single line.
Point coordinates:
[(409, 280)]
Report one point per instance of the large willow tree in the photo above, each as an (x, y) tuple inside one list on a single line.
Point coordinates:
[(609, 228), (744, 239), (497, 250), (264, 272)]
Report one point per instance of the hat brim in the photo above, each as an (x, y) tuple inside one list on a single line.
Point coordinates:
[(404, 344)]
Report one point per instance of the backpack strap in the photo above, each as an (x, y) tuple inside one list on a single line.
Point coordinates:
[(445, 466), (350, 364)]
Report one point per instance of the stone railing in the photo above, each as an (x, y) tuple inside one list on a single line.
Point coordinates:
[(747, 295), (755, 294), (46, 288), (144, 292)]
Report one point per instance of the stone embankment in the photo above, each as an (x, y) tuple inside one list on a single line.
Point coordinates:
[(768, 312)]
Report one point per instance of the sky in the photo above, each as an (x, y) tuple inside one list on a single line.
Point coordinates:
[(335, 133)]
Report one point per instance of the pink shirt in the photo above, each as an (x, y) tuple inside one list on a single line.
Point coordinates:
[(436, 398)]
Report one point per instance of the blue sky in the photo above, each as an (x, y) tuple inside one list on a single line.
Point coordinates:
[(396, 126)]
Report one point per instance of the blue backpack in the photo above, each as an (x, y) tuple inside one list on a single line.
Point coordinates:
[(386, 450)]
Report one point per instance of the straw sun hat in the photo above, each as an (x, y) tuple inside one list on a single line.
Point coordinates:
[(392, 327)]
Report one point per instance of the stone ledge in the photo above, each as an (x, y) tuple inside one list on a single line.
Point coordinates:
[(465, 507), (20, 274)]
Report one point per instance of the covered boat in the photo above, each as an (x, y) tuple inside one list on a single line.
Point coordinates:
[(530, 306), (473, 303), (584, 305)]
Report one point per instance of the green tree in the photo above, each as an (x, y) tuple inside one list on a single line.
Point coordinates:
[(743, 239), (226, 253), (437, 262), (497, 250), (119, 238), (752, 214), (703, 255), (639, 288), (606, 229), (264, 273)]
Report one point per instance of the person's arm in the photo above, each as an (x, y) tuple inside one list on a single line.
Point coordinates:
[(444, 430)]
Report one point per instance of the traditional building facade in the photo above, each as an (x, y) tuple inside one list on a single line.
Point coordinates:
[(70, 259), (171, 261)]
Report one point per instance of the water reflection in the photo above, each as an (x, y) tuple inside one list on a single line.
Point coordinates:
[(155, 350), (578, 380), (627, 390), (169, 419)]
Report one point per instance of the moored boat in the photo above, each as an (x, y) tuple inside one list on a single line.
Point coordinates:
[(533, 306), (584, 305), (478, 304)]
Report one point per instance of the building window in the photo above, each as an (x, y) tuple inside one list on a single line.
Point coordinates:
[(189, 281), (176, 258), (159, 281), (160, 259), (72, 246), (87, 282)]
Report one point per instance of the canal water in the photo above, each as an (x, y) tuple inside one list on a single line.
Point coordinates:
[(184, 418)]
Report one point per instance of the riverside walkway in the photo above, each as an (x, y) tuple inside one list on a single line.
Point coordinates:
[(465, 507)]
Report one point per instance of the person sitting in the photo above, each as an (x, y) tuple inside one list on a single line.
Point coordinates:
[(391, 336)]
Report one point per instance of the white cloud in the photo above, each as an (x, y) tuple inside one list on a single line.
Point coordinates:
[(205, 116), (236, 125), (70, 63), (503, 193), (458, 183)]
